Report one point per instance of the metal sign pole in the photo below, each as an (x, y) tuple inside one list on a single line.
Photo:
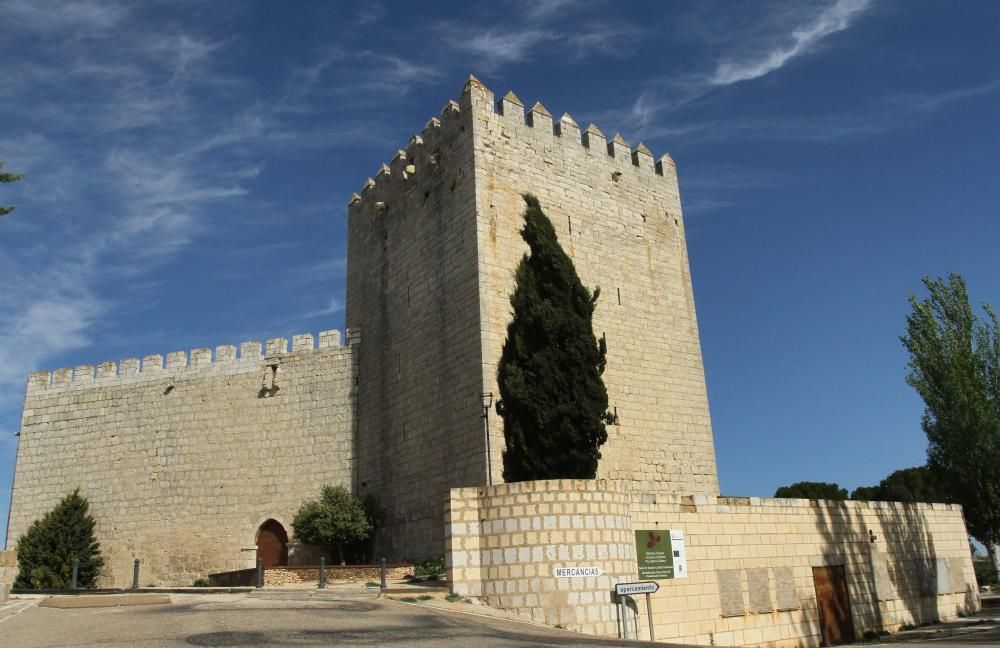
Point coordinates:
[(649, 612), (621, 599)]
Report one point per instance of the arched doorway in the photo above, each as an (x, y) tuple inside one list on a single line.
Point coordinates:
[(272, 544)]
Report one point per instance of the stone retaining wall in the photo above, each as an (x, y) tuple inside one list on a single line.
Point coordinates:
[(294, 575), (504, 541), (8, 567), (750, 561)]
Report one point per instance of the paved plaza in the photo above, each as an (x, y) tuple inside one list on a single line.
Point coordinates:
[(273, 618), (344, 616)]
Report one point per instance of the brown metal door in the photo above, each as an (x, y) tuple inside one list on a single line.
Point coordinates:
[(272, 544), (834, 603)]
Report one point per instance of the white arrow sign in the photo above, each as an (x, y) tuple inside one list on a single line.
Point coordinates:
[(645, 587), (576, 572)]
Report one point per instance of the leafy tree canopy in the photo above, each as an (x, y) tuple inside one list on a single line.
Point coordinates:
[(552, 398), (812, 490), (955, 367), (6, 177), (906, 485), (46, 551), (337, 518)]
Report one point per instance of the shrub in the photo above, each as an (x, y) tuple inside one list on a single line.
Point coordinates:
[(337, 518), (429, 568), (46, 551)]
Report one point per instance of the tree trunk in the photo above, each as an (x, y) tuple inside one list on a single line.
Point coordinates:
[(340, 553), (994, 551)]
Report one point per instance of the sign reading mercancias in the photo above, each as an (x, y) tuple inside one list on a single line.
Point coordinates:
[(660, 554), (576, 572)]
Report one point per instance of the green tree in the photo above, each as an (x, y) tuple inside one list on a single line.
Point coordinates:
[(955, 367), (905, 485), (46, 551), (812, 490), (337, 518), (6, 177), (552, 398)]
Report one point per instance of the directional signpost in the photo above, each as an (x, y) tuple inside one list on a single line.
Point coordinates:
[(646, 587), (627, 590)]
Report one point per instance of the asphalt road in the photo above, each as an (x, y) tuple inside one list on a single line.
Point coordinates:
[(275, 620), (348, 617)]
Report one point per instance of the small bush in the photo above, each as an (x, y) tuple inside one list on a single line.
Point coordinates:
[(425, 597), (429, 568), (372, 584), (453, 597), (200, 582), (408, 599), (46, 551)]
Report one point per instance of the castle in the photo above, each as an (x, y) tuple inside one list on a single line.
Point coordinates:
[(187, 464)]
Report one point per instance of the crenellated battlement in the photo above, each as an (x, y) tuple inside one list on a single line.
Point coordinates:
[(408, 166), (250, 356)]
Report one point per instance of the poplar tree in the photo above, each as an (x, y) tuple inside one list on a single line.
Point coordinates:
[(46, 551), (955, 367), (552, 398)]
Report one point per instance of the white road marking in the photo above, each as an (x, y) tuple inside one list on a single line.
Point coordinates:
[(14, 608)]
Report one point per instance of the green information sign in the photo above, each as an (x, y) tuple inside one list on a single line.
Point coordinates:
[(660, 554)]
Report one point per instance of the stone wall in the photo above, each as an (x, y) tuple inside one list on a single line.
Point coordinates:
[(433, 243), (182, 463), (618, 216), (412, 287), (749, 560), (504, 542), (8, 566), (306, 575)]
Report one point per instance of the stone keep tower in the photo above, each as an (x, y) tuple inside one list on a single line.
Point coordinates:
[(433, 243)]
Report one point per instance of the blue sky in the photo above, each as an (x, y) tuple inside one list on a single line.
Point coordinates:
[(189, 165)]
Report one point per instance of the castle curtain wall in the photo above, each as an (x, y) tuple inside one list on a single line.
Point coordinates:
[(182, 463)]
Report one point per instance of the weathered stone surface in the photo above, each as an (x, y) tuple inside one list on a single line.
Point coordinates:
[(181, 465), (429, 279), (504, 540)]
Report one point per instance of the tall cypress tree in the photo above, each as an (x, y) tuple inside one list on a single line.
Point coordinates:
[(552, 399), (46, 551)]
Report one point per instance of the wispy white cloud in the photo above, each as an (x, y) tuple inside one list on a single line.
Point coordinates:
[(47, 16), (334, 306), (752, 51), (533, 25), (835, 18), (370, 13), (495, 47), (545, 9), (890, 113)]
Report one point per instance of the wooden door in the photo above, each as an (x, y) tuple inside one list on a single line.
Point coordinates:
[(834, 603), (272, 544)]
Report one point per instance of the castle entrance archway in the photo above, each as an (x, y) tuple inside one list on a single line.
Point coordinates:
[(272, 544)]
